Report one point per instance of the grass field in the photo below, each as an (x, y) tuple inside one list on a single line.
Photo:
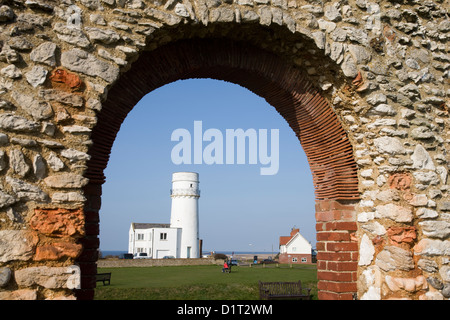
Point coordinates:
[(198, 282)]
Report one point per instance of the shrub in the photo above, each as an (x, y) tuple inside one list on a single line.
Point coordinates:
[(218, 256)]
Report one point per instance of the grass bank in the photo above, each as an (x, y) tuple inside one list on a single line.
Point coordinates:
[(198, 282)]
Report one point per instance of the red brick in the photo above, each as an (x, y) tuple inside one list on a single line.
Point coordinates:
[(338, 287), (335, 276), (350, 226), (341, 246), (342, 266), (333, 236)]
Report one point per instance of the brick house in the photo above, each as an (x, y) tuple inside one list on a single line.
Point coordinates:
[(295, 248)]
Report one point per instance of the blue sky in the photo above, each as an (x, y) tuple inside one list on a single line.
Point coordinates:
[(239, 209)]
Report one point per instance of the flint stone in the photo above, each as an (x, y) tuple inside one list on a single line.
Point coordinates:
[(26, 191), (425, 213), (5, 276), (71, 35), (3, 163), (336, 52), (11, 122), (332, 13), (349, 66), (20, 43), (421, 133), (445, 273), (443, 173), (393, 258), (394, 212), (39, 167), (431, 247), (421, 159), (36, 76), (427, 177), (49, 277), (39, 110), (102, 35), (445, 206), (67, 197), (359, 53), (6, 199), (162, 16), (16, 245), (61, 96), (3, 140), (6, 14), (319, 39), (17, 162), (66, 180), (374, 227), (76, 129), (81, 61), (366, 251), (54, 162), (11, 72), (44, 53), (389, 145), (75, 155), (427, 265), (435, 229), (377, 98), (383, 110)]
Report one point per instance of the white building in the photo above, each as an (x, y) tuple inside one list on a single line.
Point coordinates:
[(180, 238), (295, 248)]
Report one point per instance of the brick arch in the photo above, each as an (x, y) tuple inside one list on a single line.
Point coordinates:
[(285, 87)]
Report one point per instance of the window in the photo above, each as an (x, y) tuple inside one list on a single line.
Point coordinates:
[(304, 260), (140, 236), (163, 236), (294, 259)]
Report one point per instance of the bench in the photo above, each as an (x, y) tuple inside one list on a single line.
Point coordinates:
[(283, 291), (103, 277)]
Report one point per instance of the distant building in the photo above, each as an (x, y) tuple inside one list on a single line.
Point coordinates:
[(295, 248), (180, 238)]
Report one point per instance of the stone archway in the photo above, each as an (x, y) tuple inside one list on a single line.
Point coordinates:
[(361, 83), (323, 139)]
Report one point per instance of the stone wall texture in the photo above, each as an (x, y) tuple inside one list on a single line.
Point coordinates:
[(364, 84)]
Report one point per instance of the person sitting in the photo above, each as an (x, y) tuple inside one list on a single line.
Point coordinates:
[(225, 267)]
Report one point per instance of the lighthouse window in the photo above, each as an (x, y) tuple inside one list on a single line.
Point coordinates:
[(191, 185), (163, 236)]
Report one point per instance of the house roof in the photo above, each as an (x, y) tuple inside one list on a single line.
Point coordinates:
[(136, 225), (285, 239)]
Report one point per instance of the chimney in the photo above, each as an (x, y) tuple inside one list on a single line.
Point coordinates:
[(294, 231)]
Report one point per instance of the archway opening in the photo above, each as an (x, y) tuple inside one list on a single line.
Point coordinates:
[(308, 114), (249, 210)]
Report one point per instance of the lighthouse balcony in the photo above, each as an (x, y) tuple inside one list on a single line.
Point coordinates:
[(187, 192)]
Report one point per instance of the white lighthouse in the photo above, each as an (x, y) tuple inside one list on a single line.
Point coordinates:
[(184, 213)]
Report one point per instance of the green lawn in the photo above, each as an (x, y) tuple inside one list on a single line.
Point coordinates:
[(197, 282)]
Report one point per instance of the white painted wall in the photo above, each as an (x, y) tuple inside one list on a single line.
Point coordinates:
[(297, 245), (184, 212)]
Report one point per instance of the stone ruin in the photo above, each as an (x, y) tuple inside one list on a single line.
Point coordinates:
[(364, 84)]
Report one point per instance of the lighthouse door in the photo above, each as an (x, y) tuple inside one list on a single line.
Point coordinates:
[(188, 254)]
